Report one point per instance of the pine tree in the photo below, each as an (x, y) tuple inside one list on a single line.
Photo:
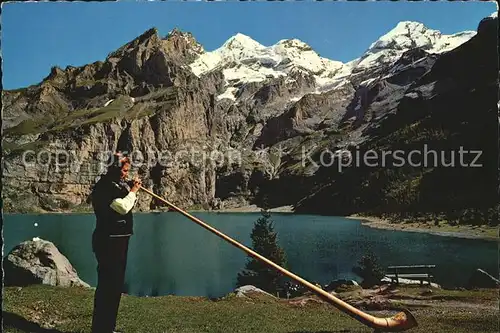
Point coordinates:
[(369, 270), (264, 242)]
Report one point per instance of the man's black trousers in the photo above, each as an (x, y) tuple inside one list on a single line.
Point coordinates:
[(111, 254)]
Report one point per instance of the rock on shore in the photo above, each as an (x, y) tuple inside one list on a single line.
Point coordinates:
[(39, 261)]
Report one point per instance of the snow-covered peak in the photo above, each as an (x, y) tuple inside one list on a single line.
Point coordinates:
[(405, 35), (241, 42), (244, 60), (293, 44), (237, 49), (409, 35), (296, 53)]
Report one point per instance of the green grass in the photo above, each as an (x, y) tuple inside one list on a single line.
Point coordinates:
[(70, 310), (113, 110), (12, 149), (139, 111), (166, 94), (425, 223), (66, 120), (28, 126), (479, 231), (482, 230), (72, 119), (470, 296)]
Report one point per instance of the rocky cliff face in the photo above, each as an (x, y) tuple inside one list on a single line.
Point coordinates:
[(142, 98), (439, 105), (242, 124)]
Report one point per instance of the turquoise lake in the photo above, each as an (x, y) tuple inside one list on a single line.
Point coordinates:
[(169, 254)]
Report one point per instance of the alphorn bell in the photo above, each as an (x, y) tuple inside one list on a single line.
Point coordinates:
[(400, 322)]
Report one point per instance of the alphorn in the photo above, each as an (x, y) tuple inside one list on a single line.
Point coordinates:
[(400, 322)]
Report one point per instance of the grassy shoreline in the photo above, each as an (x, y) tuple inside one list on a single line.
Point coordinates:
[(40, 308), (465, 231)]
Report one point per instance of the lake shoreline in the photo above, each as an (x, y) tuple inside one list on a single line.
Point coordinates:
[(467, 232), (241, 209), (254, 209)]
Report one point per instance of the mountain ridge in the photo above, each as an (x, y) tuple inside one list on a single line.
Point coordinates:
[(154, 33), (254, 62), (145, 95)]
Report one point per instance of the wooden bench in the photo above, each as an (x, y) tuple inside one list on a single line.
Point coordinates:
[(415, 272)]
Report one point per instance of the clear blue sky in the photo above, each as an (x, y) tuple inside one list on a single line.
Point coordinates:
[(38, 35)]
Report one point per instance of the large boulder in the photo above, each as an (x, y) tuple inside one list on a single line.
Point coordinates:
[(335, 284), (39, 262), (481, 279), (249, 291)]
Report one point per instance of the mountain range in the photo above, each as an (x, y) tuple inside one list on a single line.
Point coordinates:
[(244, 60), (272, 104)]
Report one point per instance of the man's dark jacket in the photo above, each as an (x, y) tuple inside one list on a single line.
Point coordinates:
[(109, 222)]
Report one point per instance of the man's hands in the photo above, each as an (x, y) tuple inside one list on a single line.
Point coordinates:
[(137, 184)]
